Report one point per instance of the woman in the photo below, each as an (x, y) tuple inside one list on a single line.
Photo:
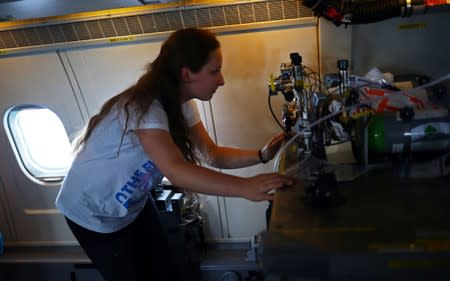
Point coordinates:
[(149, 130)]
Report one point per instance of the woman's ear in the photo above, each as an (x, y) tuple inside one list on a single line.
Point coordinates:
[(185, 74)]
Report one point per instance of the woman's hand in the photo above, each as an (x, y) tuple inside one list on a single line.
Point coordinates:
[(271, 148), (260, 187)]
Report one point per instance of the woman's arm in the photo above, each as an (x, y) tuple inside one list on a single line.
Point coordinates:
[(220, 156), (229, 157), (158, 144)]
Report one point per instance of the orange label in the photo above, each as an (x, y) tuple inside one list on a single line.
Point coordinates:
[(436, 2), (375, 92)]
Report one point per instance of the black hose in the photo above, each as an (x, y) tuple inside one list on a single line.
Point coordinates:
[(318, 6), (363, 11), (373, 11)]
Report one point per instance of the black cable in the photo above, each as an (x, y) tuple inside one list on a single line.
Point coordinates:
[(313, 75), (273, 114)]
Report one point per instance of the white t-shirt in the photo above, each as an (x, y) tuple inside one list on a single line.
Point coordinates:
[(108, 183)]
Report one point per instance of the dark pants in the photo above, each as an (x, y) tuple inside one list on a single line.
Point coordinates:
[(137, 252)]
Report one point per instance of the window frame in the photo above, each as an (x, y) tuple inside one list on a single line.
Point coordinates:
[(38, 174)]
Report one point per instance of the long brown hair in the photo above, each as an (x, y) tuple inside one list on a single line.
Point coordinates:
[(190, 48)]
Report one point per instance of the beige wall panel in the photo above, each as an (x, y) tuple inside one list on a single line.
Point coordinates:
[(335, 44), (38, 79), (240, 109), (106, 71)]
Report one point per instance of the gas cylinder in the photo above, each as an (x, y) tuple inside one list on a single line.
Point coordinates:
[(390, 133)]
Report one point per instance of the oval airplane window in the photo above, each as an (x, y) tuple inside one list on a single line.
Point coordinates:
[(39, 141)]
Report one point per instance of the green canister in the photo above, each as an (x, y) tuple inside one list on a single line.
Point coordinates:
[(388, 134)]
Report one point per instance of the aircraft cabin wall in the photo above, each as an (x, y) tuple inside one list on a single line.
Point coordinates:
[(416, 45), (402, 45), (74, 83)]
